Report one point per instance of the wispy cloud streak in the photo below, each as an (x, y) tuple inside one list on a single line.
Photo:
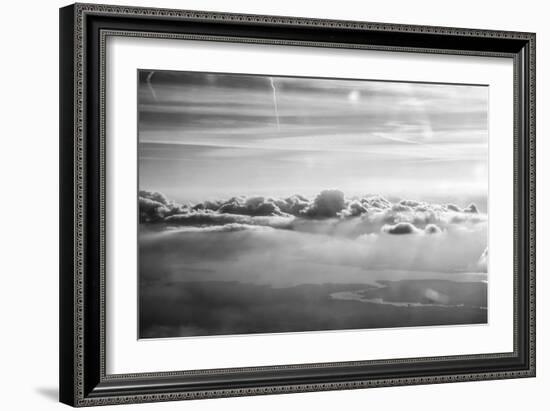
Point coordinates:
[(251, 133), (153, 93), (272, 81)]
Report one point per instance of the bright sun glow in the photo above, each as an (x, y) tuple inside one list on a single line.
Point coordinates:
[(354, 96)]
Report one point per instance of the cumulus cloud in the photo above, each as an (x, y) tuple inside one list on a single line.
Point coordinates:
[(327, 204), (354, 208), (401, 208), (155, 207), (401, 228), (256, 206), (151, 211), (329, 213), (432, 229), (252, 206), (410, 203), (293, 205), (154, 196), (472, 208), (207, 205)]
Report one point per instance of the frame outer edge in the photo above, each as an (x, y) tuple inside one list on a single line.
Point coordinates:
[(67, 332), (72, 138), (198, 15), (532, 202)]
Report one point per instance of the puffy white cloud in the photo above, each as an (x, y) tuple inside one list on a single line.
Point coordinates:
[(432, 229), (453, 207), (293, 205), (472, 208), (411, 203), (327, 204), (155, 207), (329, 213), (256, 206), (154, 196), (207, 205), (376, 202), (401, 208), (401, 228), (151, 211), (251, 206), (354, 208)]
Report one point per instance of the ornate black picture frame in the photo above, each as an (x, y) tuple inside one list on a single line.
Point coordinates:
[(84, 29)]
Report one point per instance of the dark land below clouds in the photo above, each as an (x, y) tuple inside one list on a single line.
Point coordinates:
[(202, 308)]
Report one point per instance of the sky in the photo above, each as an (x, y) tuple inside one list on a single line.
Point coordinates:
[(206, 136)]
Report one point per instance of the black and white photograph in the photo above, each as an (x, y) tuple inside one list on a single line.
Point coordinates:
[(276, 204)]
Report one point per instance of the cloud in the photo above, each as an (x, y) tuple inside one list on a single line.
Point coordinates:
[(410, 203), (155, 207), (376, 202), (472, 208), (212, 218), (257, 206), (327, 204), (207, 205), (328, 213), (252, 206), (151, 211), (401, 228), (226, 228), (293, 205), (401, 208), (482, 262), (260, 254), (201, 218), (453, 207), (432, 229), (354, 209), (154, 196)]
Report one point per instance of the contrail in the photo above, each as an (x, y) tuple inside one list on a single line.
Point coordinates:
[(275, 102), (149, 76)]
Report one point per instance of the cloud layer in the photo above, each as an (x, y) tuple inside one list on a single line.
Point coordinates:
[(327, 238), (330, 212)]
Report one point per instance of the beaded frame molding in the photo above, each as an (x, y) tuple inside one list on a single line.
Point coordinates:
[(84, 29)]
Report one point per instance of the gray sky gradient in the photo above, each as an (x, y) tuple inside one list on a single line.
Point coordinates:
[(209, 136)]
